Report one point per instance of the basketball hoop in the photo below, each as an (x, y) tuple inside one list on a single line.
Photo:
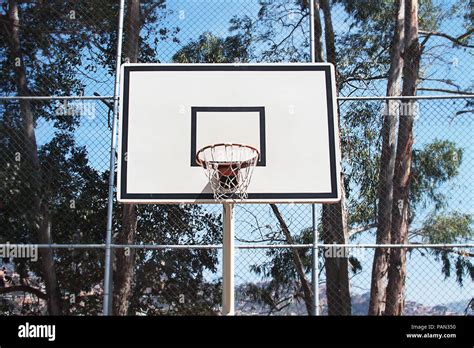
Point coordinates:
[(229, 168)]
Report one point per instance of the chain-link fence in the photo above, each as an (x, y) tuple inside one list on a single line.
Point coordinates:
[(57, 61)]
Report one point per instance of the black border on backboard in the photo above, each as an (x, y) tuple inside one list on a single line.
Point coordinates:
[(224, 109), (208, 196)]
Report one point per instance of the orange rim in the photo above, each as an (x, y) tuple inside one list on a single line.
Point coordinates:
[(245, 164)]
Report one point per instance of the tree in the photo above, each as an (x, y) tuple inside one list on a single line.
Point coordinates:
[(402, 176), (26, 67), (67, 178), (363, 59), (335, 216), (387, 165), (62, 173), (136, 48), (172, 281), (125, 259), (297, 261), (287, 271), (450, 228), (376, 14)]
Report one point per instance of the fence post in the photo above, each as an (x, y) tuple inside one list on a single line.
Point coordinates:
[(107, 305), (315, 250), (315, 262)]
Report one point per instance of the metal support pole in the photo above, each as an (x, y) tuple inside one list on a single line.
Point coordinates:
[(315, 263), (228, 261), (107, 305), (315, 250), (311, 31)]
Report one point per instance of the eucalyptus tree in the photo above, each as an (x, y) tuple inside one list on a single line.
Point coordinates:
[(38, 58)]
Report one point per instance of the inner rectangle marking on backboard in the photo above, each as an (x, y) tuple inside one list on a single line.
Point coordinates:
[(228, 125)]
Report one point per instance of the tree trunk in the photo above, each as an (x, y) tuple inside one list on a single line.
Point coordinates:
[(387, 168), (125, 258), (318, 32), (47, 264), (40, 216), (307, 292), (335, 229), (125, 261), (132, 31), (329, 33), (400, 209)]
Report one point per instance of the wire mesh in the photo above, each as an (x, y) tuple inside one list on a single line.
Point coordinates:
[(54, 164)]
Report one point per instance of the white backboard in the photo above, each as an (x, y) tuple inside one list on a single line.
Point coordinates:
[(170, 111)]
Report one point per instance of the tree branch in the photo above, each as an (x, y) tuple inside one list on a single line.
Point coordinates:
[(25, 288), (298, 263), (149, 10), (456, 40), (464, 112), (361, 229), (364, 78), (291, 32), (446, 81), (463, 253), (444, 90)]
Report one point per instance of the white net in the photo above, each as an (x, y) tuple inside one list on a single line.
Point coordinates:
[(229, 168)]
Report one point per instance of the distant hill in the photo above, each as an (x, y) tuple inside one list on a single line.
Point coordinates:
[(360, 305)]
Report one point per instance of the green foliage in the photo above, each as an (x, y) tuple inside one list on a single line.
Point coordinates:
[(446, 229), (279, 269), (279, 34), (176, 281), (60, 55), (52, 45), (365, 10), (449, 229), (363, 59), (363, 53), (433, 166), (76, 193), (102, 46), (211, 49), (360, 142), (431, 15), (282, 284)]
